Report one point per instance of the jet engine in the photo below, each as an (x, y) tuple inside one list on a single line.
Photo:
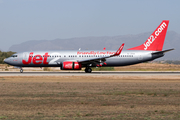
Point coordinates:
[(69, 65)]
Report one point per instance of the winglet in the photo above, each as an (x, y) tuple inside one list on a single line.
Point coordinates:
[(118, 52)]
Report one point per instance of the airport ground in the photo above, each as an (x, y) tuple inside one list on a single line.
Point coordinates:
[(55, 94), (90, 97)]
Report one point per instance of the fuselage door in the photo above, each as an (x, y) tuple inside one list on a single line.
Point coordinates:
[(25, 56), (18, 59), (140, 57)]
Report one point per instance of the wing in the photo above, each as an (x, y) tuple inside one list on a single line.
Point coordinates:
[(101, 59)]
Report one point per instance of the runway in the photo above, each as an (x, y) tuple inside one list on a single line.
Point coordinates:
[(94, 73)]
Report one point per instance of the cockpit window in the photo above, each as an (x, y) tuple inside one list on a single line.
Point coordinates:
[(14, 56)]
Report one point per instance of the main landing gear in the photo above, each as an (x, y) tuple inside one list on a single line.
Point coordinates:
[(88, 70)]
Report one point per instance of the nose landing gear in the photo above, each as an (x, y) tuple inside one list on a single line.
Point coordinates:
[(21, 70), (88, 70)]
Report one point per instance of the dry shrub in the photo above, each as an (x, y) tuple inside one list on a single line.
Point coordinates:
[(46, 69)]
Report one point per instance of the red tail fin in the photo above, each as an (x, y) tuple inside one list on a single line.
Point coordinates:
[(156, 40)]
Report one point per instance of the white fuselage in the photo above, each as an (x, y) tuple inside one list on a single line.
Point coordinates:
[(56, 58)]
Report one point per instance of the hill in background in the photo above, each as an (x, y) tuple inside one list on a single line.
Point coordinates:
[(98, 43)]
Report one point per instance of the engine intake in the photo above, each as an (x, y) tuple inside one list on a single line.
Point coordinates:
[(69, 65)]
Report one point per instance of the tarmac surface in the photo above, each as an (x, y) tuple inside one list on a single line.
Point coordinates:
[(94, 73)]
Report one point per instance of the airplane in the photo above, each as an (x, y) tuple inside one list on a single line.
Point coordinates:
[(76, 60)]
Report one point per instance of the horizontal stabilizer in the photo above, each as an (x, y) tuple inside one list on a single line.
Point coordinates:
[(159, 52)]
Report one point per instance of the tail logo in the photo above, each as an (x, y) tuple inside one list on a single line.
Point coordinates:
[(151, 39)]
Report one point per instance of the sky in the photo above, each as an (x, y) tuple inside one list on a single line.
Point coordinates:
[(24, 20)]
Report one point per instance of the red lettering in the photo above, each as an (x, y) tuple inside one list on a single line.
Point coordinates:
[(45, 58), (78, 52), (37, 59), (94, 53), (29, 60)]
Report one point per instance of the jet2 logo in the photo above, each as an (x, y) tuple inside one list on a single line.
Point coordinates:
[(37, 59), (151, 39)]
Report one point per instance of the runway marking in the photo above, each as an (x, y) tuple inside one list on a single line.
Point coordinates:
[(94, 73)]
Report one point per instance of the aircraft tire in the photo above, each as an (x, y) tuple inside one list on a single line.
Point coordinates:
[(21, 70), (88, 70)]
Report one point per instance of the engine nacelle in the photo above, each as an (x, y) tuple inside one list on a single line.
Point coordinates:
[(69, 65)]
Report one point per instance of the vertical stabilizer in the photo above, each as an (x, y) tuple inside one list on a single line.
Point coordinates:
[(155, 41)]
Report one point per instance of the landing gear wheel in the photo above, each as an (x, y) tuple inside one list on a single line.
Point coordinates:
[(88, 70), (21, 70)]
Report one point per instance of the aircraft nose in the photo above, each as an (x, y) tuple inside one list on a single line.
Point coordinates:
[(5, 60)]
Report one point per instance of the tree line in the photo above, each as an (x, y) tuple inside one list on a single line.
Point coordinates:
[(4, 55), (177, 62)]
